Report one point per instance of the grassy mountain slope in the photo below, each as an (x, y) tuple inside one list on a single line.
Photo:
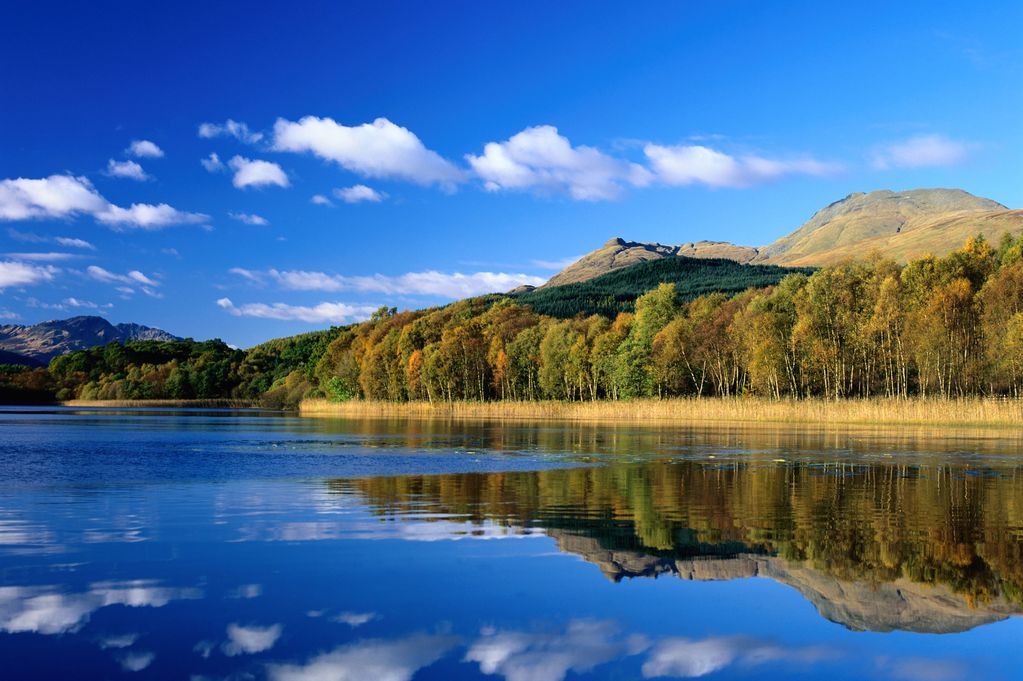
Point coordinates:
[(899, 225), (617, 291)]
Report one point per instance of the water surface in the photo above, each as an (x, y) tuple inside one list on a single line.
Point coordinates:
[(249, 545)]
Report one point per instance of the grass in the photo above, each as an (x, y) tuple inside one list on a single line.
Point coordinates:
[(192, 404), (879, 411)]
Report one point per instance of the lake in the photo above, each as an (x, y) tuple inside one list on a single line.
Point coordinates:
[(210, 545)]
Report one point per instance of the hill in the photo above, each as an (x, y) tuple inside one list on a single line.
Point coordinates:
[(617, 290), (900, 225), (37, 344), (619, 254)]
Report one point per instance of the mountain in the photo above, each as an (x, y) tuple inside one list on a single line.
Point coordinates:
[(899, 225), (616, 291), (619, 253), (37, 344)]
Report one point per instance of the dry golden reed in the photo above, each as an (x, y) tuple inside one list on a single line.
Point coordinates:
[(938, 412)]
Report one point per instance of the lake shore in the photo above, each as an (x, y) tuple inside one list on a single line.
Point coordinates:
[(182, 404), (985, 412)]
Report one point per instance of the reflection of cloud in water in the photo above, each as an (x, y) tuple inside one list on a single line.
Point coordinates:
[(921, 669), (543, 656), (354, 619), (118, 641), (45, 610), (246, 591), (248, 640), (136, 662), (372, 659), (585, 644)]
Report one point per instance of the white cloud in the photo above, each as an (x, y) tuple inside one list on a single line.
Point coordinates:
[(695, 164), (128, 169), (148, 217), (320, 200), (145, 149), (359, 193), (86, 304), (687, 658), (247, 274), (136, 661), (250, 640), (256, 173), (74, 243), (246, 591), (56, 196), (212, 163), (540, 159), (229, 128), (370, 659), (354, 619), (64, 196), (44, 257), (921, 151), (323, 312), (132, 278), (118, 641), (22, 274), (249, 218), (453, 285), (378, 149)]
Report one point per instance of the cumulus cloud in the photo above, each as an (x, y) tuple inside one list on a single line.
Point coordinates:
[(65, 196), (212, 163), (250, 640), (555, 264), (118, 641), (56, 196), (921, 151), (376, 659), (354, 619), (320, 200), (74, 243), (147, 216), (315, 314), (23, 274), (695, 164), (359, 193), (229, 128), (44, 257), (128, 169), (256, 173), (541, 159), (249, 218), (132, 278), (378, 149), (453, 285), (145, 149)]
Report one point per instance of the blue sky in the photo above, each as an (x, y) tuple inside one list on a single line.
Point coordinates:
[(457, 147)]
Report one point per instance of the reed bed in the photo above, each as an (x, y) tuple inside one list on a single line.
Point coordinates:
[(180, 404), (915, 411)]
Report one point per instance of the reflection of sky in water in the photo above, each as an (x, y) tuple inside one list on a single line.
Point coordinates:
[(273, 573)]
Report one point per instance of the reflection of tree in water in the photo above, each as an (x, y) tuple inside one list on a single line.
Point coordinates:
[(941, 524)]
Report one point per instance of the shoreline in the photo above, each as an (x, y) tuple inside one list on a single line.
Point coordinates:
[(968, 412), (182, 404)]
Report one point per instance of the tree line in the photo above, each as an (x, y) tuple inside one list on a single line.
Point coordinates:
[(948, 327)]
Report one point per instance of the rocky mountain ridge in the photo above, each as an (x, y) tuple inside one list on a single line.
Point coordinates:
[(37, 344)]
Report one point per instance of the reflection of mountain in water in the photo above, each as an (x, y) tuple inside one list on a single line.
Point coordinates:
[(878, 547), (900, 605)]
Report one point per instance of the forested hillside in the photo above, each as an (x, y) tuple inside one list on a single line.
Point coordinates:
[(617, 291), (950, 326)]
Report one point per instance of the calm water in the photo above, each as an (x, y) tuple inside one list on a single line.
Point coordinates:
[(206, 545)]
